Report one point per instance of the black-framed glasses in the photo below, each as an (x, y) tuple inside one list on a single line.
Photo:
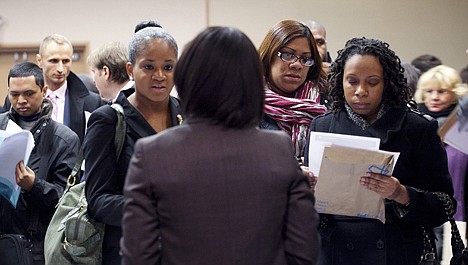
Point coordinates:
[(292, 58)]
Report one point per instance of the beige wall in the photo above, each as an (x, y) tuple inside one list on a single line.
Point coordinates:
[(412, 27)]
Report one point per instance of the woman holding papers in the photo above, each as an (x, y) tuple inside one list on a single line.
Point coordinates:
[(371, 98)]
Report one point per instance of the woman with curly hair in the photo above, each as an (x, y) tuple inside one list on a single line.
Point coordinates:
[(371, 98)]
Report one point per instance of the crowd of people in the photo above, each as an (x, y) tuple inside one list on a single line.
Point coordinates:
[(219, 174)]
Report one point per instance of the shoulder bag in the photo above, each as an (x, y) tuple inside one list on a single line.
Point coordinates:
[(72, 237), (460, 253)]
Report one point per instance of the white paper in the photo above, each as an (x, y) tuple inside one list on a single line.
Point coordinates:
[(87, 115), (12, 127), (14, 147), (319, 140)]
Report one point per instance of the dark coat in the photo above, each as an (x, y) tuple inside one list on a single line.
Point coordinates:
[(105, 176), (209, 195), (79, 100), (268, 123), (421, 167), (56, 148)]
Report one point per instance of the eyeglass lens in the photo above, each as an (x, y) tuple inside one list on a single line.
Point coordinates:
[(291, 58)]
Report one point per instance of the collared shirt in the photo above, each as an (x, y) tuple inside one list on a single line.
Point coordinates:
[(60, 102), (128, 85)]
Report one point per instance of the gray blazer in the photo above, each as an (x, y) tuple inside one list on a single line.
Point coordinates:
[(201, 194)]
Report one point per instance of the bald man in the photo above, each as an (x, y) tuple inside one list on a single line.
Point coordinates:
[(320, 35)]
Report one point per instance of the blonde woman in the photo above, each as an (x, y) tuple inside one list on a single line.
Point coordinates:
[(438, 91), (437, 94)]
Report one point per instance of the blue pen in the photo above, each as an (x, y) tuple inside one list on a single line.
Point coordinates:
[(381, 170)]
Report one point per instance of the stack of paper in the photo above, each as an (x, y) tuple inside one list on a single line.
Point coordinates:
[(339, 161), (14, 147)]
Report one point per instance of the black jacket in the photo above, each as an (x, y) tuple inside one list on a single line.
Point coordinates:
[(421, 167), (56, 148), (104, 176), (79, 100)]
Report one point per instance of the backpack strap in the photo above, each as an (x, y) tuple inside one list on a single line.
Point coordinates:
[(72, 178), (120, 131)]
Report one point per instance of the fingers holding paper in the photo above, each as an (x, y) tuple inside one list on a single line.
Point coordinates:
[(387, 187), (310, 176), (382, 184), (24, 176)]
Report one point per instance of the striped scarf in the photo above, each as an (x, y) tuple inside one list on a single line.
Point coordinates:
[(294, 115)]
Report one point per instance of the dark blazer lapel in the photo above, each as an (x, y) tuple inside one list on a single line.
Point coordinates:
[(76, 93), (137, 122)]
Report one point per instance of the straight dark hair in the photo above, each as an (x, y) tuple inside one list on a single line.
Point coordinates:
[(26, 69), (219, 77)]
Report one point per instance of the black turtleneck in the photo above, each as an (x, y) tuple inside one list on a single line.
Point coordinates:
[(443, 113), (440, 116)]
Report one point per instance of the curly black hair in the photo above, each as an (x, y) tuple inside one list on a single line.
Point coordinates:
[(397, 93)]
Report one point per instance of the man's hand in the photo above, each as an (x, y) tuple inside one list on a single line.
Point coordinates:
[(24, 176)]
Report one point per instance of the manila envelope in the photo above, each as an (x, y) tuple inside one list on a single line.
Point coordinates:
[(338, 189)]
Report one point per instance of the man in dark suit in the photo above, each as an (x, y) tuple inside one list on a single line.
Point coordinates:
[(71, 100)]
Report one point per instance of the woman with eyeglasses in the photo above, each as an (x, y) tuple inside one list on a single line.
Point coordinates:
[(294, 79)]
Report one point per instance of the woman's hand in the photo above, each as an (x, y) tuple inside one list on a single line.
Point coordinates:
[(310, 176), (387, 187)]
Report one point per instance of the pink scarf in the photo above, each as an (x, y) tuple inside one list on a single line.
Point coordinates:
[(294, 115)]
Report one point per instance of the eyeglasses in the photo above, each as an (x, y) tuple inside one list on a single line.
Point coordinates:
[(291, 58)]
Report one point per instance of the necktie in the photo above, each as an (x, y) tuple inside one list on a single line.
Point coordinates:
[(53, 99)]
